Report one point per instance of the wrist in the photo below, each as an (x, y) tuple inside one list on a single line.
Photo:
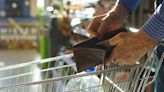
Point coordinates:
[(118, 14), (121, 10), (145, 40)]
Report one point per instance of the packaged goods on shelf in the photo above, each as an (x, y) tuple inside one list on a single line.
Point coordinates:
[(14, 38)]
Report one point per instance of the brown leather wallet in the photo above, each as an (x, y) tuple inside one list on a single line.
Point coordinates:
[(93, 51)]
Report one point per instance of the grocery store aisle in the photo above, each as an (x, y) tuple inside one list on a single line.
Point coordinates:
[(11, 57)]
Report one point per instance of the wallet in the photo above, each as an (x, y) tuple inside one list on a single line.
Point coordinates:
[(93, 52)]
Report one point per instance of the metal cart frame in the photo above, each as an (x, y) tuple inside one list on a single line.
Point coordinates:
[(60, 75)]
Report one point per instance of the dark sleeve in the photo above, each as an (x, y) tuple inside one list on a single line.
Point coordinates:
[(131, 5)]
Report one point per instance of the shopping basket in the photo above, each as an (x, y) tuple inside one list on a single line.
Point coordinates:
[(60, 75)]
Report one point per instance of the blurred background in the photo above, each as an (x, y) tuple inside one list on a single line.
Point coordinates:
[(38, 29)]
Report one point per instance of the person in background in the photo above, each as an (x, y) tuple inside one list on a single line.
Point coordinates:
[(130, 47)]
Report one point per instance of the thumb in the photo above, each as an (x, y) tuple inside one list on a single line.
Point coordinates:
[(92, 34), (101, 30), (103, 27), (116, 40)]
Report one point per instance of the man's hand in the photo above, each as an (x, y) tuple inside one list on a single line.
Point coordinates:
[(94, 25), (110, 21), (130, 47)]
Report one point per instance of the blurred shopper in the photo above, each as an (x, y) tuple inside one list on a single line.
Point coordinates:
[(130, 47)]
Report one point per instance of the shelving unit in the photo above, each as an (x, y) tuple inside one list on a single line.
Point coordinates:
[(18, 24)]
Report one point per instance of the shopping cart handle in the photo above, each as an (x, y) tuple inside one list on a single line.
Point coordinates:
[(91, 52)]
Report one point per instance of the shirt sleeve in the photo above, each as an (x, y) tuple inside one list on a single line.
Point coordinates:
[(131, 5), (154, 27)]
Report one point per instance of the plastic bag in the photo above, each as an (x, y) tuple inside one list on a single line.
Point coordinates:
[(84, 84)]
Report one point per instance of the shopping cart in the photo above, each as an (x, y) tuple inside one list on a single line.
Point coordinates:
[(59, 74)]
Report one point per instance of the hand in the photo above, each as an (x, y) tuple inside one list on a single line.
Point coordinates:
[(94, 25), (110, 21), (122, 77), (130, 47)]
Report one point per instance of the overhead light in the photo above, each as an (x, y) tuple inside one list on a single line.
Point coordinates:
[(27, 3), (14, 5), (50, 8), (40, 3)]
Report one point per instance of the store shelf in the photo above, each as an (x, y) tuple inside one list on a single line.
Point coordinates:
[(33, 22)]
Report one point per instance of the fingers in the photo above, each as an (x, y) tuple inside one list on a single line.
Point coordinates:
[(110, 22), (94, 25), (92, 34), (121, 58), (103, 27), (118, 39), (124, 76), (125, 50), (92, 28), (112, 59)]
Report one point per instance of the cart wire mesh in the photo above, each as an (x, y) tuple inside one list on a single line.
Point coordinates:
[(59, 74)]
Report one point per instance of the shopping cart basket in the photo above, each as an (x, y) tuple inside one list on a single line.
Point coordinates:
[(60, 75)]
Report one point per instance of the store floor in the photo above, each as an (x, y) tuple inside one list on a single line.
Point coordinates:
[(11, 57)]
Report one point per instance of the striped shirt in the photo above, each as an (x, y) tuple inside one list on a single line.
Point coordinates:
[(154, 27)]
